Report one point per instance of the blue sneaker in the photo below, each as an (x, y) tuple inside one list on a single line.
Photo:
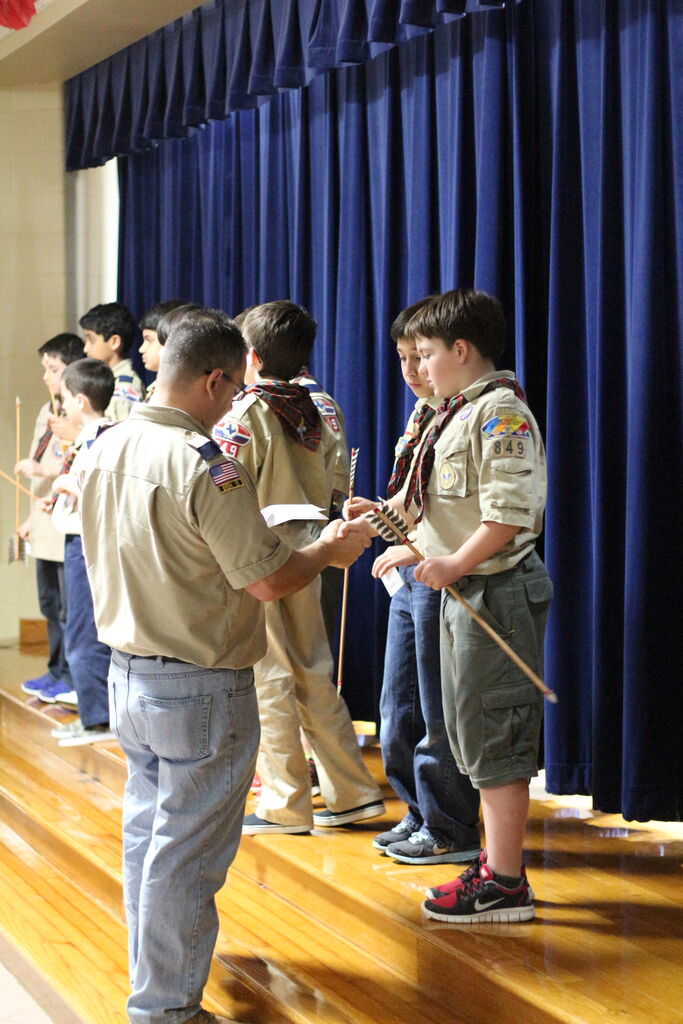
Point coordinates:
[(54, 690), (36, 686)]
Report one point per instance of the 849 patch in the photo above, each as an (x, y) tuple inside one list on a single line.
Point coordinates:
[(508, 434)]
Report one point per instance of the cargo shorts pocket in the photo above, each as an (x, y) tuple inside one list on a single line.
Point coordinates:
[(177, 729), (510, 722)]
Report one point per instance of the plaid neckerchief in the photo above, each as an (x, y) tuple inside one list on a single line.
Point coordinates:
[(417, 487), (293, 406), (44, 441), (404, 460)]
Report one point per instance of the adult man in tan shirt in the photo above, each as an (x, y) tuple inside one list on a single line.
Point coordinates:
[(180, 560)]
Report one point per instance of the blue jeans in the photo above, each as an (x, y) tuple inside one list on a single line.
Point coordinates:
[(88, 658), (51, 599), (417, 756), (190, 735)]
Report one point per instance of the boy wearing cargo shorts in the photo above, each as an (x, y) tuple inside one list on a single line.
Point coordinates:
[(478, 493)]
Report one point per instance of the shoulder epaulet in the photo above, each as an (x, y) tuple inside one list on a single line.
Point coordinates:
[(204, 446), (243, 404)]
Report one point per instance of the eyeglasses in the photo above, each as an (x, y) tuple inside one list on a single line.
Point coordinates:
[(240, 388)]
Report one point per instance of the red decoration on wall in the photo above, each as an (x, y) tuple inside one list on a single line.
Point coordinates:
[(16, 13)]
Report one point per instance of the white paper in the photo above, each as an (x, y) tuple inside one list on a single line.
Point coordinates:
[(392, 581), (275, 515)]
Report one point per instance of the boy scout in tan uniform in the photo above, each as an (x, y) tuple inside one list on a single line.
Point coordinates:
[(293, 680), (338, 462), (478, 491), (180, 562), (43, 464)]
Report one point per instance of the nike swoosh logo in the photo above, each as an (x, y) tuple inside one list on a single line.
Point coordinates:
[(490, 903)]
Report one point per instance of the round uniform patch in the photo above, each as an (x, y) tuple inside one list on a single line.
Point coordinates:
[(466, 413), (447, 476)]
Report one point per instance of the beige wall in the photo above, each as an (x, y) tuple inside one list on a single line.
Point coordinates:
[(58, 243), (32, 295)]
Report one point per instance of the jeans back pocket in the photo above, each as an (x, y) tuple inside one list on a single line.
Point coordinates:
[(177, 729)]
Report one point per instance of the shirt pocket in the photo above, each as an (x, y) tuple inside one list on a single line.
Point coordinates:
[(450, 473)]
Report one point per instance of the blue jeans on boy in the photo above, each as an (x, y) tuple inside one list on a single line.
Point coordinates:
[(88, 658), (190, 735), (52, 603), (417, 756)]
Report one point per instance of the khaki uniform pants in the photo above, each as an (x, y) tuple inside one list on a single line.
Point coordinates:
[(295, 690)]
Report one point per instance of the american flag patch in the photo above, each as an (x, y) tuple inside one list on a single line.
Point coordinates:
[(225, 476)]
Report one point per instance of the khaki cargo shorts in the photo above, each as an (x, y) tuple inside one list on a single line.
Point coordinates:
[(493, 712)]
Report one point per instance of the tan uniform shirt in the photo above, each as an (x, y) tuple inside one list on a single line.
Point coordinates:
[(285, 472), (334, 444), (172, 534), (46, 542), (128, 389), (489, 466)]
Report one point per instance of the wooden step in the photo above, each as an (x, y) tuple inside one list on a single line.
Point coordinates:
[(270, 954), (325, 928)]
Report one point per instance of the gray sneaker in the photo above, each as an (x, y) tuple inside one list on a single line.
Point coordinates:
[(60, 732), (425, 848), (87, 734), (399, 832)]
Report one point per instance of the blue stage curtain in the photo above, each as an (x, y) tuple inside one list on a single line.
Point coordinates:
[(535, 152), (231, 55)]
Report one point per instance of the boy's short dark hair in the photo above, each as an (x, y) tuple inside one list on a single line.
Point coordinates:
[(171, 317), (69, 347), (200, 341), (398, 328), (464, 313), (150, 319), (92, 378), (241, 317), (111, 318), (282, 335)]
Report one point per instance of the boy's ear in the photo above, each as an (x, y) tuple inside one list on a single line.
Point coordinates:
[(462, 349), (115, 342), (253, 360)]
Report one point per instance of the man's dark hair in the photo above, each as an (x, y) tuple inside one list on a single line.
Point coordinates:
[(69, 347), (150, 319), (172, 317), (111, 318), (92, 378), (398, 328), (200, 341), (464, 313), (282, 335)]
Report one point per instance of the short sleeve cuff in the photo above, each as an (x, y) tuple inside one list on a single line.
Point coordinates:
[(248, 574)]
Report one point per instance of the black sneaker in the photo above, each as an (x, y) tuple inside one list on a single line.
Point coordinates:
[(482, 899), (424, 847), (471, 872), (327, 819), (255, 826), (405, 828)]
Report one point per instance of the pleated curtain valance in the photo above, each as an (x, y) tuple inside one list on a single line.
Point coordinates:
[(231, 55)]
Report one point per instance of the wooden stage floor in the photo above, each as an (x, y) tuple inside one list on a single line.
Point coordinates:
[(606, 944)]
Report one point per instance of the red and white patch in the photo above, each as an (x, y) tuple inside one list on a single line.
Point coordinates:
[(231, 436)]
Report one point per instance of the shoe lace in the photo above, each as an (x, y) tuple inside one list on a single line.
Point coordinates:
[(424, 835)]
